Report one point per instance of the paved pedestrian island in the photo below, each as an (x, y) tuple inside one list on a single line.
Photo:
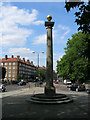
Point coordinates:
[(15, 107)]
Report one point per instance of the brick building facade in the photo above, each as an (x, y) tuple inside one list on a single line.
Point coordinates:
[(17, 69)]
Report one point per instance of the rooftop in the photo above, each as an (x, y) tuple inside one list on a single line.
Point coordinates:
[(13, 59)]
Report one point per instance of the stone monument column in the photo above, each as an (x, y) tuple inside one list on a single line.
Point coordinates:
[(49, 96), (49, 89)]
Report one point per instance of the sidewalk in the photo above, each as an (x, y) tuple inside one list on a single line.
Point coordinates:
[(16, 107)]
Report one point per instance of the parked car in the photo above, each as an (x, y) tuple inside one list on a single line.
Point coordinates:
[(35, 80), (77, 87), (15, 81), (56, 82), (26, 81), (2, 87), (87, 86), (40, 82), (67, 82), (21, 83)]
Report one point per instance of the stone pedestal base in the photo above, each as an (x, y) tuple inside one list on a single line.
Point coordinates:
[(46, 99), (49, 91)]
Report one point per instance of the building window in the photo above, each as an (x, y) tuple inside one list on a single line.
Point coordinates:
[(1, 63), (9, 67), (13, 63), (5, 63), (6, 68), (9, 71), (13, 67), (20, 64), (13, 75), (9, 75), (13, 71), (9, 63), (13, 79)]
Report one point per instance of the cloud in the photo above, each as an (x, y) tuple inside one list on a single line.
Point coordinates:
[(17, 37), (38, 22), (57, 56), (41, 39), (13, 22), (19, 51), (23, 53), (66, 29)]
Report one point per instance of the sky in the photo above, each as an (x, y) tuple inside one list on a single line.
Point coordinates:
[(22, 29)]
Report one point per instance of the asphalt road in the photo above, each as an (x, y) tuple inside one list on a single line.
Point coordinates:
[(15, 106)]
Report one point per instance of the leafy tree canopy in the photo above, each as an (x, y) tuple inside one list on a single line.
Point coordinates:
[(82, 15), (73, 64), (41, 74)]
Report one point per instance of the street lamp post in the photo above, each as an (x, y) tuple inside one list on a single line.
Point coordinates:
[(37, 60), (38, 57)]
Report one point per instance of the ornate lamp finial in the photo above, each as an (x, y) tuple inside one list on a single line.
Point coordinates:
[(49, 17)]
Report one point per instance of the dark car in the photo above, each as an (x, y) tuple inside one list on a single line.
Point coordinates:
[(77, 87), (15, 81), (22, 83), (2, 87), (40, 82)]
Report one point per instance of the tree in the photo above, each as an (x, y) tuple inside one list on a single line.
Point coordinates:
[(2, 72), (82, 16), (73, 64), (83, 21), (41, 74)]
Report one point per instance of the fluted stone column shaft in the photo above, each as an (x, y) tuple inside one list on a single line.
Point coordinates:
[(49, 89)]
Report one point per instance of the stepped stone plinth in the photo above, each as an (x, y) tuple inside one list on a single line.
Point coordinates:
[(45, 99)]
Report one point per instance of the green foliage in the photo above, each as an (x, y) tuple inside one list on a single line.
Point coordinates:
[(82, 16), (75, 60), (83, 21), (41, 74)]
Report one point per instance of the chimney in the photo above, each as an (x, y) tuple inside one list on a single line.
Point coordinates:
[(6, 57), (31, 62), (28, 61), (18, 57), (12, 56), (23, 59)]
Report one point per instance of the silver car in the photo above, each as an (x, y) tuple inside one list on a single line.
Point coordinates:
[(2, 87)]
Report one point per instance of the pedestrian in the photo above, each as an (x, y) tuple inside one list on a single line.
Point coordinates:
[(35, 84), (29, 84)]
